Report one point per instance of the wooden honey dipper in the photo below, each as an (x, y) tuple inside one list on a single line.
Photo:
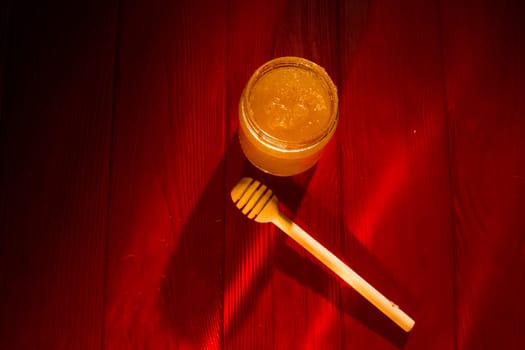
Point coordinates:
[(257, 201)]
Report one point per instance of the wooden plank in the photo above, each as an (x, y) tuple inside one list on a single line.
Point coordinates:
[(55, 123), (306, 305), (275, 295), (396, 195), (249, 248), (164, 278), (485, 84)]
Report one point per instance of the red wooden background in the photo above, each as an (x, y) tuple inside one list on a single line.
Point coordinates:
[(118, 149)]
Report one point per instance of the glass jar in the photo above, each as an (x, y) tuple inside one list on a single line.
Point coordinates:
[(287, 114)]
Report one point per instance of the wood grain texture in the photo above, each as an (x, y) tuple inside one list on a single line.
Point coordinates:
[(306, 304), (56, 119), (396, 205), (282, 297), (119, 146), (249, 247), (164, 284), (485, 83)]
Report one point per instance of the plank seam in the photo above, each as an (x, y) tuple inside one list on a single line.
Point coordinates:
[(119, 10), (450, 160)]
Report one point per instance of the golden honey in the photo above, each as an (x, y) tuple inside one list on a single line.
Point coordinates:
[(288, 112)]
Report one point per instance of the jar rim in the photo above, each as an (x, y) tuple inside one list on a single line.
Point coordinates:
[(277, 143)]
